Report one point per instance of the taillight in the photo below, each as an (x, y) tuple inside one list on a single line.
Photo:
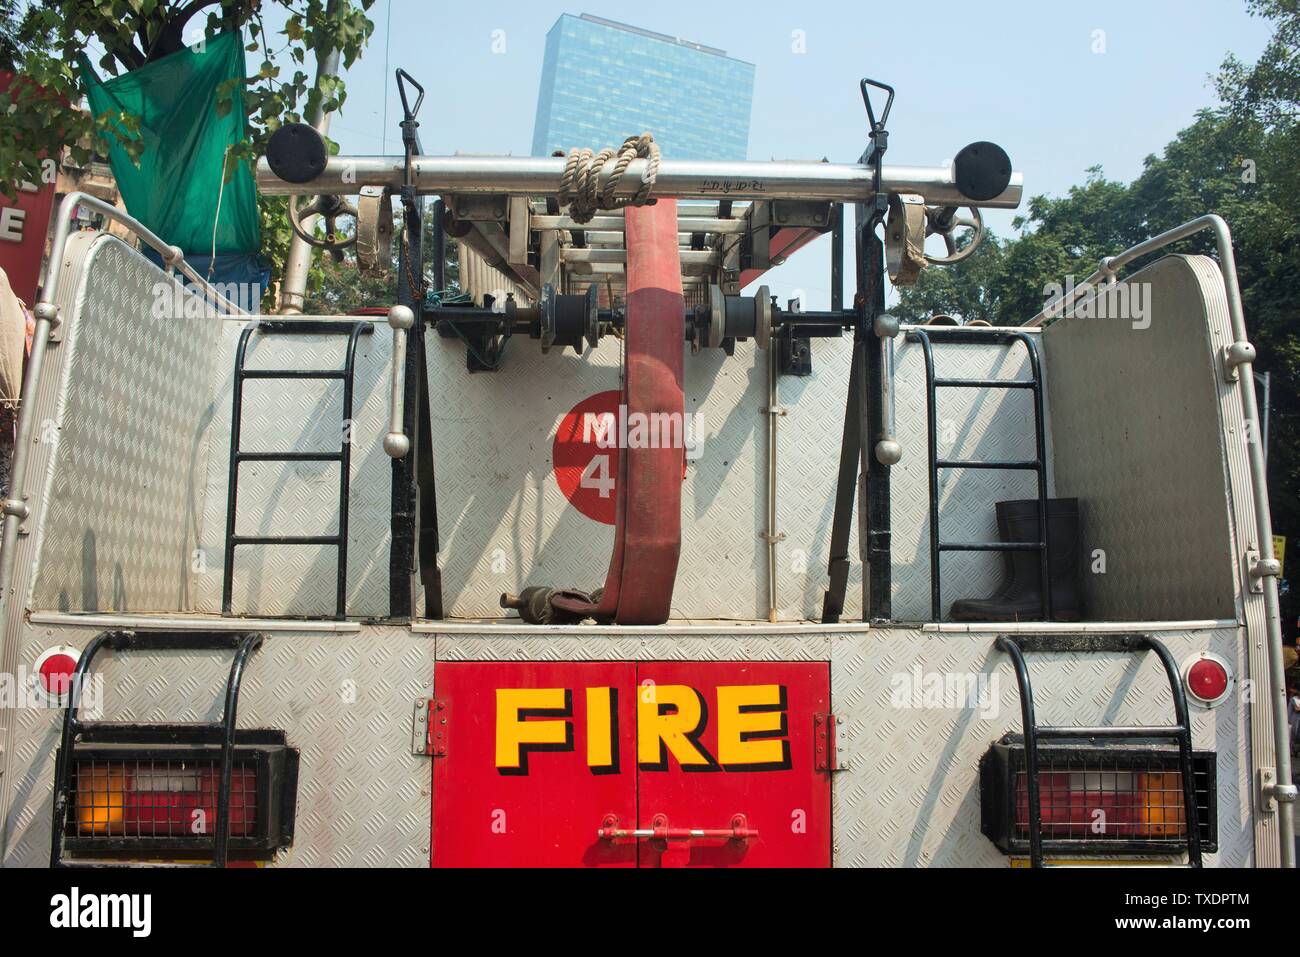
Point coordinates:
[(160, 798), (130, 800), (1207, 679), (1100, 804), (1115, 799)]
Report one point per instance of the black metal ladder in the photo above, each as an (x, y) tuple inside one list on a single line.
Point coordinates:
[(979, 336), (76, 731), (354, 331), (1180, 732)]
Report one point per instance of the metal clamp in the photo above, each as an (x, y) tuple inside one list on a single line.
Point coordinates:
[(1237, 354), (396, 443)]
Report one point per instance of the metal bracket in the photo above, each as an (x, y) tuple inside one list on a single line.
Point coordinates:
[(828, 751), (480, 208), (1239, 353), (421, 738), (1258, 569), (1271, 793), (429, 728)]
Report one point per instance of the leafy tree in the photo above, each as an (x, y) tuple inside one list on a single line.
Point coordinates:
[(342, 288), (1240, 160), (8, 34), (51, 35)]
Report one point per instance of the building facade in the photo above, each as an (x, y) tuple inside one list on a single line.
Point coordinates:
[(603, 81)]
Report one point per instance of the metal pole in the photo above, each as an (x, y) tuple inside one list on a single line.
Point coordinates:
[(682, 179), (771, 536), (293, 287), (1266, 380)]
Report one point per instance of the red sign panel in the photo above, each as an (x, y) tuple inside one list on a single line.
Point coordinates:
[(585, 764), (24, 222)]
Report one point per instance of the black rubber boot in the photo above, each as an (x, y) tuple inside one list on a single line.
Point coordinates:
[(1020, 598)]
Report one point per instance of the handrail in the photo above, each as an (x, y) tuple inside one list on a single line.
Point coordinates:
[(48, 318), (1238, 360)]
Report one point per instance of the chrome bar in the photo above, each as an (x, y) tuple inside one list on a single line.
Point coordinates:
[(396, 443), (682, 179), (1266, 568), (690, 257), (685, 225)]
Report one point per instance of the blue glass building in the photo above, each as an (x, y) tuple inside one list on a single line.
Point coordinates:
[(603, 81)]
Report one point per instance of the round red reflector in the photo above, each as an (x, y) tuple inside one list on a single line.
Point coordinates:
[(1207, 680), (56, 673)]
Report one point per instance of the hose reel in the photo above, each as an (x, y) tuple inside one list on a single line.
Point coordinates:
[(727, 319)]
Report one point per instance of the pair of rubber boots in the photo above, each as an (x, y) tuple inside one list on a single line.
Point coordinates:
[(1020, 597)]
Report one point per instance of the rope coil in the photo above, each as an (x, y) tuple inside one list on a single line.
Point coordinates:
[(580, 186)]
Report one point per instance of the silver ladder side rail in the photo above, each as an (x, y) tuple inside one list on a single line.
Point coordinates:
[(1238, 359)]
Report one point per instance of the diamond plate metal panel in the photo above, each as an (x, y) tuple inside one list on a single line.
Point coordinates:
[(910, 796), (343, 700), (125, 475), (973, 424), (1141, 444), (506, 524), (299, 498), (724, 646)]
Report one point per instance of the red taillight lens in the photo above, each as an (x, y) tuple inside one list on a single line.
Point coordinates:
[(1207, 680), (1105, 805), (55, 669), (175, 803), (146, 799)]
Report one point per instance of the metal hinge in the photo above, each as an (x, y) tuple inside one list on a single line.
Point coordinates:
[(828, 751), (429, 728)]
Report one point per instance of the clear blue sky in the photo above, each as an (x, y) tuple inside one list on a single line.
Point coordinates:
[(1021, 73)]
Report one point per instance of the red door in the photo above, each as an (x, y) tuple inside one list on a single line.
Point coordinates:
[(536, 757), (729, 746), (582, 764)]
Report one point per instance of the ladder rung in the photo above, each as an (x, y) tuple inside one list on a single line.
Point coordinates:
[(991, 546), (1110, 731), (1000, 464), (985, 383), (292, 373), (285, 540), (288, 456), (136, 728)]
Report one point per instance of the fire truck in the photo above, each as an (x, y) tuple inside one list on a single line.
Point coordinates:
[(612, 560)]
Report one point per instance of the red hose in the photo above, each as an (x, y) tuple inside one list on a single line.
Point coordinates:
[(648, 512)]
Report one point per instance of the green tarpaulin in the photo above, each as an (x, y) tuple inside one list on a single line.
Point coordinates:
[(177, 188)]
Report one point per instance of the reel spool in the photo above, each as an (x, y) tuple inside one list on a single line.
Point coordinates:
[(569, 320), (728, 318)]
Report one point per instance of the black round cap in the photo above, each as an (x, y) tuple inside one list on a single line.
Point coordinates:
[(983, 171), (296, 153)]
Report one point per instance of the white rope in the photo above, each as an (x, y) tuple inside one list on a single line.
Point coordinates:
[(580, 186)]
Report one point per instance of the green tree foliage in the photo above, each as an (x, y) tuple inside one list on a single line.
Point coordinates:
[(1240, 160), (342, 288), (48, 38)]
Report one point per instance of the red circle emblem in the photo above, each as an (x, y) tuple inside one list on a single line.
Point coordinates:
[(1207, 680), (585, 456), (56, 673)]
